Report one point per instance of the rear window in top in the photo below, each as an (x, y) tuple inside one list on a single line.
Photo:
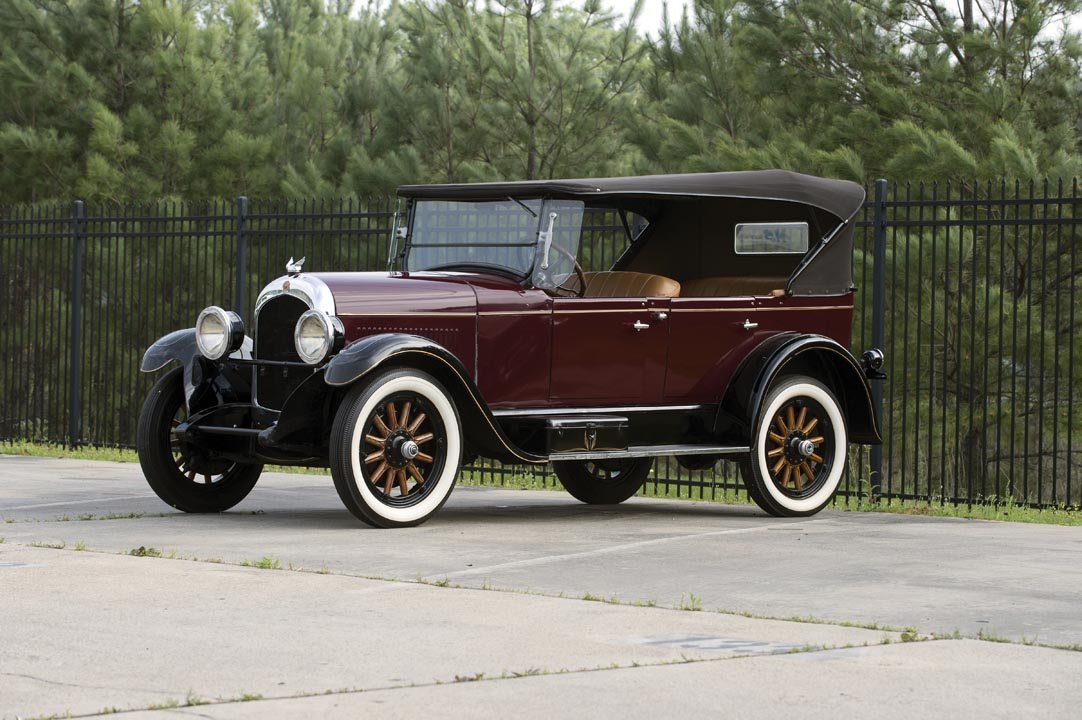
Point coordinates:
[(771, 238)]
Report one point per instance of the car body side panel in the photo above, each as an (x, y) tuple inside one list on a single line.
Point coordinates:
[(708, 341), (514, 345), (441, 307), (598, 356)]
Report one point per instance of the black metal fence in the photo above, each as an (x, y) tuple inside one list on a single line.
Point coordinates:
[(969, 287)]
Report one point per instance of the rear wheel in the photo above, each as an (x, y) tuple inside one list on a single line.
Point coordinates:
[(799, 449), (603, 482), (177, 470), (395, 449)]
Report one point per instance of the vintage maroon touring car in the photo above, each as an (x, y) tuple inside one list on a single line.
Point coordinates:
[(721, 332)]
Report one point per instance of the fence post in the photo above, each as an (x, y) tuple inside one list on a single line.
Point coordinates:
[(242, 256), (879, 301), (78, 230)]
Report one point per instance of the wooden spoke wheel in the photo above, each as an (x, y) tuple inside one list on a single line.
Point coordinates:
[(798, 449), (395, 448), (405, 444), (181, 472)]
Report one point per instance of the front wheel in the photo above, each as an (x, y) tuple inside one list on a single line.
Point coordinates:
[(395, 448), (603, 482), (798, 449), (177, 471)]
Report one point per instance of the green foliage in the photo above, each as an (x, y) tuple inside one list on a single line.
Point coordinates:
[(264, 563), (119, 100)]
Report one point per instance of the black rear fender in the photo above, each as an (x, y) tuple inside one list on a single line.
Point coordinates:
[(817, 357)]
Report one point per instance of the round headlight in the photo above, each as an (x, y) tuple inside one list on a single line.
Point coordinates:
[(218, 332), (316, 335)]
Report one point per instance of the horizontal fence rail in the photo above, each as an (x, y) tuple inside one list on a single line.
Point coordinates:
[(969, 287)]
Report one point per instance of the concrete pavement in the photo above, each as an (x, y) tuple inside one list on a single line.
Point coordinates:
[(85, 631)]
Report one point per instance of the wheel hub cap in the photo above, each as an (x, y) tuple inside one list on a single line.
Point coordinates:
[(408, 449)]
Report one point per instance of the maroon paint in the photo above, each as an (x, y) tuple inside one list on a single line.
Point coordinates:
[(514, 344), (442, 307), (521, 337), (598, 356), (708, 339)]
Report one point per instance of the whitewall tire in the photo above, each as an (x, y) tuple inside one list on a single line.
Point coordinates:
[(799, 449), (395, 448)]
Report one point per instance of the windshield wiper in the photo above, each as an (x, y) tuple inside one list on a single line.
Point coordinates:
[(523, 205)]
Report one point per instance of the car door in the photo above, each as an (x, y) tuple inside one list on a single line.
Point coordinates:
[(609, 351), (708, 338)]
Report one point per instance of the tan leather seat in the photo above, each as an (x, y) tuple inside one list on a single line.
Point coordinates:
[(615, 283), (733, 286)]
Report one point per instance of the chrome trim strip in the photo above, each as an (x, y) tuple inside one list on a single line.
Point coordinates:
[(753, 309), (313, 291), (654, 451), (498, 313), (430, 313), (602, 311), (544, 412)]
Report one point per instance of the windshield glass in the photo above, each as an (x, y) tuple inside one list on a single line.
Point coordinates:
[(558, 249), (447, 235)]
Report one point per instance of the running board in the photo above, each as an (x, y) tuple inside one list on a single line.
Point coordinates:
[(652, 451)]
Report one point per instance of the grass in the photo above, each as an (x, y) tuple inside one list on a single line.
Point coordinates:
[(691, 601), (264, 563), (1004, 511)]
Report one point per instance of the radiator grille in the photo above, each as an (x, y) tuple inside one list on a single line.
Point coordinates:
[(274, 326)]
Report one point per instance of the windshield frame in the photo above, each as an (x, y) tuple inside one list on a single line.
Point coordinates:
[(403, 249)]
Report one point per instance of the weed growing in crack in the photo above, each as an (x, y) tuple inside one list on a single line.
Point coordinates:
[(264, 563), (691, 602), (469, 678)]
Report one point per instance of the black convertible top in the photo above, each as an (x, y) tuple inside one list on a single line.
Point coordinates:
[(840, 198)]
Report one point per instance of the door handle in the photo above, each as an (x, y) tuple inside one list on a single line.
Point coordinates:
[(661, 316), (749, 325), (640, 326)]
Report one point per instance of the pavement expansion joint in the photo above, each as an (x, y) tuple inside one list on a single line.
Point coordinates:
[(188, 708)]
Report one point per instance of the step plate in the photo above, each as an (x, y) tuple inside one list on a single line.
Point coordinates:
[(654, 451)]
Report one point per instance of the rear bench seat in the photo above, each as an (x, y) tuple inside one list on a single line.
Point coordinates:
[(733, 286)]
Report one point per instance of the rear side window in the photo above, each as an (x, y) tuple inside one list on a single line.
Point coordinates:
[(784, 238)]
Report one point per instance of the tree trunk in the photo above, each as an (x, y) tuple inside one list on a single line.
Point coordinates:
[(531, 111)]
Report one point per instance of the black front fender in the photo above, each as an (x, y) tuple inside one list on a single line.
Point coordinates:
[(361, 357), (367, 354), (179, 346), (813, 355)]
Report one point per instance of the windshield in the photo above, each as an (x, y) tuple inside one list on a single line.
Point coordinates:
[(500, 235), (514, 236)]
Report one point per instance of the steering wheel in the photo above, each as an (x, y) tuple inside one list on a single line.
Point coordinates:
[(578, 271)]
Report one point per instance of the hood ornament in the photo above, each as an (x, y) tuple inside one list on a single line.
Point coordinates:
[(294, 268)]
